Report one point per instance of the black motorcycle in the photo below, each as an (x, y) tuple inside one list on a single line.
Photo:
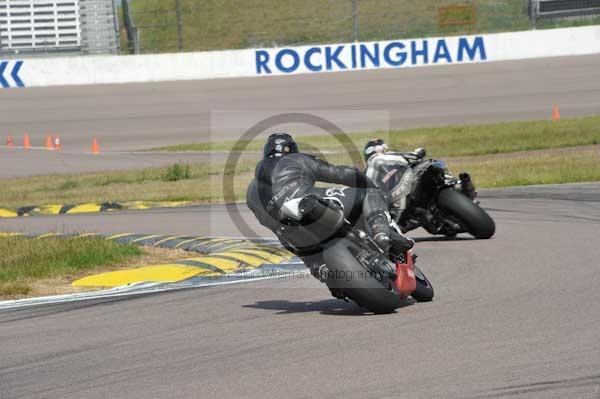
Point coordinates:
[(343, 256), (422, 192)]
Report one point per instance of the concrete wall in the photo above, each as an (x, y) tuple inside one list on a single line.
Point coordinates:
[(305, 59)]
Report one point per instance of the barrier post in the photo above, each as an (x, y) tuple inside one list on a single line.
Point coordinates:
[(533, 9), (355, 20), (179, 17)]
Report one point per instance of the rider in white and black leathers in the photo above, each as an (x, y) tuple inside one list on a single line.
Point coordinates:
[(285, 174), (385, 168)]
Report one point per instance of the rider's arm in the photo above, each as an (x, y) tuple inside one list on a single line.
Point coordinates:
[(345, 175), (415, 155)]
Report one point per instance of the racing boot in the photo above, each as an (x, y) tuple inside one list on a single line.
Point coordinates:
[(466, 185), (380, 229), (386, 236), (400, 244)]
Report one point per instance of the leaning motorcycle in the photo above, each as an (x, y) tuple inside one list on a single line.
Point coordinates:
[(423, 193), (343, 256)]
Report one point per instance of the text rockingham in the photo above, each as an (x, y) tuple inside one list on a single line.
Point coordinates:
[(371, 55)]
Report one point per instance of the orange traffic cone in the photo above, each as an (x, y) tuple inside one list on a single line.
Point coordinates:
[(555, 113), (57, 145), (95, 146), (49, 145), (26, 142), (10, 142)]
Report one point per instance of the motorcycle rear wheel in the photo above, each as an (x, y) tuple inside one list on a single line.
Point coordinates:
[(477, 222), (347, 274)]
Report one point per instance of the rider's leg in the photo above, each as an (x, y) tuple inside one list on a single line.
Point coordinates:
[(375, 208), (350, 199), (357, 202), (372, 204)]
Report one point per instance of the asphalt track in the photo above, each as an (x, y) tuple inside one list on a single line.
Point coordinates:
[(140, 116), (515, 316)]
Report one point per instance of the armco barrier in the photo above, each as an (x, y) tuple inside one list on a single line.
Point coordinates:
[(297, 60)]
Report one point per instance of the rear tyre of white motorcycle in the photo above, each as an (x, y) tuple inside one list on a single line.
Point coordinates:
[(478, 223), (345, 273)]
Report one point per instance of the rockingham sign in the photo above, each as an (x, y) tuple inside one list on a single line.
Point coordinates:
[(329, 58), (371, 55)]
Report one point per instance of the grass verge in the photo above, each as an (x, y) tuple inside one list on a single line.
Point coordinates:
[(227, 24), (498, 155), (195, 182), (25, 261), (48, 266), (451, 141), (527, 169), (205, 183)]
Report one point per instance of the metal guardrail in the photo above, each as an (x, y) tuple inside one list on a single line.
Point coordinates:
[(562, 8)]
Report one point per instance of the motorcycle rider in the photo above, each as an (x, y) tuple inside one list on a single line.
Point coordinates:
[(285, 174), (382, 164)]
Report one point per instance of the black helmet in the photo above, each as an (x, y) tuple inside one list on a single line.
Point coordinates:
[(374, 146), (279, 144)]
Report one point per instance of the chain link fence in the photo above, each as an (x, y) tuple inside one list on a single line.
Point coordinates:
[(155, 26)]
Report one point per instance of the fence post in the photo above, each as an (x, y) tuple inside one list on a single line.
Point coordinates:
[(533, 9), (133, 40), (355, 20), (179, 17), (117, 28), (136, 40)]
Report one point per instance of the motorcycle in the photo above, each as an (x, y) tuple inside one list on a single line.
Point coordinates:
[(422, 192), (343, 257)]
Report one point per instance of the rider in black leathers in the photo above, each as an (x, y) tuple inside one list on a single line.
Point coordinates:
[(285, 174)]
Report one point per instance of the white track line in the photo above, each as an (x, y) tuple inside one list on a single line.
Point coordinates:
[(129, 290)]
